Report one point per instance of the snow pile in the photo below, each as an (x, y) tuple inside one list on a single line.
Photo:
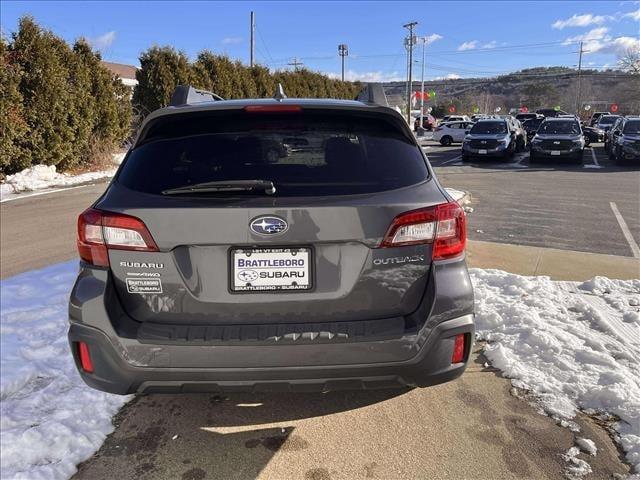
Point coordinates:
[(573, 345), (40, 177), (50, 421)]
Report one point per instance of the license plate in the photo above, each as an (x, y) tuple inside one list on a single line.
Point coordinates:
[(482, 152), (269, 269), (555, 152)]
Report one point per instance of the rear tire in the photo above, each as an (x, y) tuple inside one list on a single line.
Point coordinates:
[(587, 141), (446, 141), (465, 158)]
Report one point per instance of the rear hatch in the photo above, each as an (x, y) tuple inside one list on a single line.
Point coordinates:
[(288, 225)]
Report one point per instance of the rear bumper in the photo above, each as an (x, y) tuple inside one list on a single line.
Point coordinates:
[(430, 366)]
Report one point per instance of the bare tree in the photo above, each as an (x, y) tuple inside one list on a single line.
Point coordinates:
[(629, 61)]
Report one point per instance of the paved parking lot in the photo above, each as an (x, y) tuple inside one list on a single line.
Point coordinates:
[(593, 207)]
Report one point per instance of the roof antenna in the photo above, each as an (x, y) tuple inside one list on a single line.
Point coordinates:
[(279, 95)]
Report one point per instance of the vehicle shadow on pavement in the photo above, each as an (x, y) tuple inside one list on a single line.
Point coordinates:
[(234, 435)]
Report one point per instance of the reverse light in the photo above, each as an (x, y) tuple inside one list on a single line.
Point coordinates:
[(99, 231), (458, 349), (442, 225), (85, 358)]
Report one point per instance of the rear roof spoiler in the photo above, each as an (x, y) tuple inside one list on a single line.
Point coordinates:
[(373, 93), (187, 95)]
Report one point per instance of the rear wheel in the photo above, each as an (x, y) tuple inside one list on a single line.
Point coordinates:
[(465, 158), (587, 141), (446, 141)]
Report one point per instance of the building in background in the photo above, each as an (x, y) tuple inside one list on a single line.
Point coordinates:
[(127, 73)]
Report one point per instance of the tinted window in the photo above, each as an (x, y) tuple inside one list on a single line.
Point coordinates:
[(607, 120), (302, 154), (632, 127), (559, 128), (532, 124), (489, 128)]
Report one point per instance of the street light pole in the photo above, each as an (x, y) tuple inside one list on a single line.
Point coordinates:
[(343, 51), (424, 44)]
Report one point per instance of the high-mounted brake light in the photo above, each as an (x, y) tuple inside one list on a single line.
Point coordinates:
[(273, 108), (443, 225), (100, 231)]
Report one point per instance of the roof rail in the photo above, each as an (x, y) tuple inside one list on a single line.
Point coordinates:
[(187, 95), (373, 93)]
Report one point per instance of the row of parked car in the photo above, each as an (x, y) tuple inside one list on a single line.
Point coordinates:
[(549, 134)]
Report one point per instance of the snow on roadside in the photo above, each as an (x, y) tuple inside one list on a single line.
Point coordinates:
[(575, 346), (50, 420), (41, 177)]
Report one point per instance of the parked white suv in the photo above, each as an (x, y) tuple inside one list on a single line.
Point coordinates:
[(451, 132)]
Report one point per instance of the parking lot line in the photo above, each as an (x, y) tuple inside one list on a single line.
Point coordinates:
[(453, 160), (595, 158), (625, 230)]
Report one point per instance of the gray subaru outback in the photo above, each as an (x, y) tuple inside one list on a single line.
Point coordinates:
[(274, 244)]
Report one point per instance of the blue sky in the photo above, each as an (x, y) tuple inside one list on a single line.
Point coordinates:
[(468, 38)]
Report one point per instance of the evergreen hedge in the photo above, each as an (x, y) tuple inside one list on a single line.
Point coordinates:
[(58, 104), (163, 68)]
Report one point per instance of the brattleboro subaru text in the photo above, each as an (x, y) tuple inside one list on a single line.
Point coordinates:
[(273, 244)]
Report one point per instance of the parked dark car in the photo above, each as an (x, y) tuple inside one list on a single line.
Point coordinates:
[(490, 137), (609, 129), (551, 112), (595, 117), (531, 127), (558, 139), (592, 135), (207, 267), (523, 117), (625, 143)]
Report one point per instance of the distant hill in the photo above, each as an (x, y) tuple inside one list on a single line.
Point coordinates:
[(534, 87)]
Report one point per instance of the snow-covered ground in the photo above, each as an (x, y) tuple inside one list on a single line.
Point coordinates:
[(42, 177), (50, 421), (575, 346)]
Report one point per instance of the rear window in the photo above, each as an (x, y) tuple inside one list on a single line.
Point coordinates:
[(632, 127), (559, 128), (607, 119), (302, 154), (490, 128)]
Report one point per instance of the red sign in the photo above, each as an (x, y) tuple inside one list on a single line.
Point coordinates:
[(614, 107), (452, 109), (419, 95), (524, 109)]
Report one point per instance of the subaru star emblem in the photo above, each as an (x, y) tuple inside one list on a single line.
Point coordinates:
[(268, 225)]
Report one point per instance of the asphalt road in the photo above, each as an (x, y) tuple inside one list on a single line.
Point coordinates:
[(547, 205)]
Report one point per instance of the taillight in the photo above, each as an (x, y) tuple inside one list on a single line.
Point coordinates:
[(458, 348), (443, 225), (100, 231), (85, 358)]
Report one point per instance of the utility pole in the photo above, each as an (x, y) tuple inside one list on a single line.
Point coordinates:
[(409, 43), (295, 63), (253, 39), (424, 44), (343, 51), (579, 94)]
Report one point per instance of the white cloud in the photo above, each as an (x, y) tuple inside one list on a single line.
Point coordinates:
[(633, 15), (473, 44), (452, 76), (434, 37), (598, 40), (491, 44), (376, 76), (584, 20), (231, 40), (103, 41)]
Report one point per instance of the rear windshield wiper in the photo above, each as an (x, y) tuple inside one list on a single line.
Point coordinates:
[(265, 186)]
